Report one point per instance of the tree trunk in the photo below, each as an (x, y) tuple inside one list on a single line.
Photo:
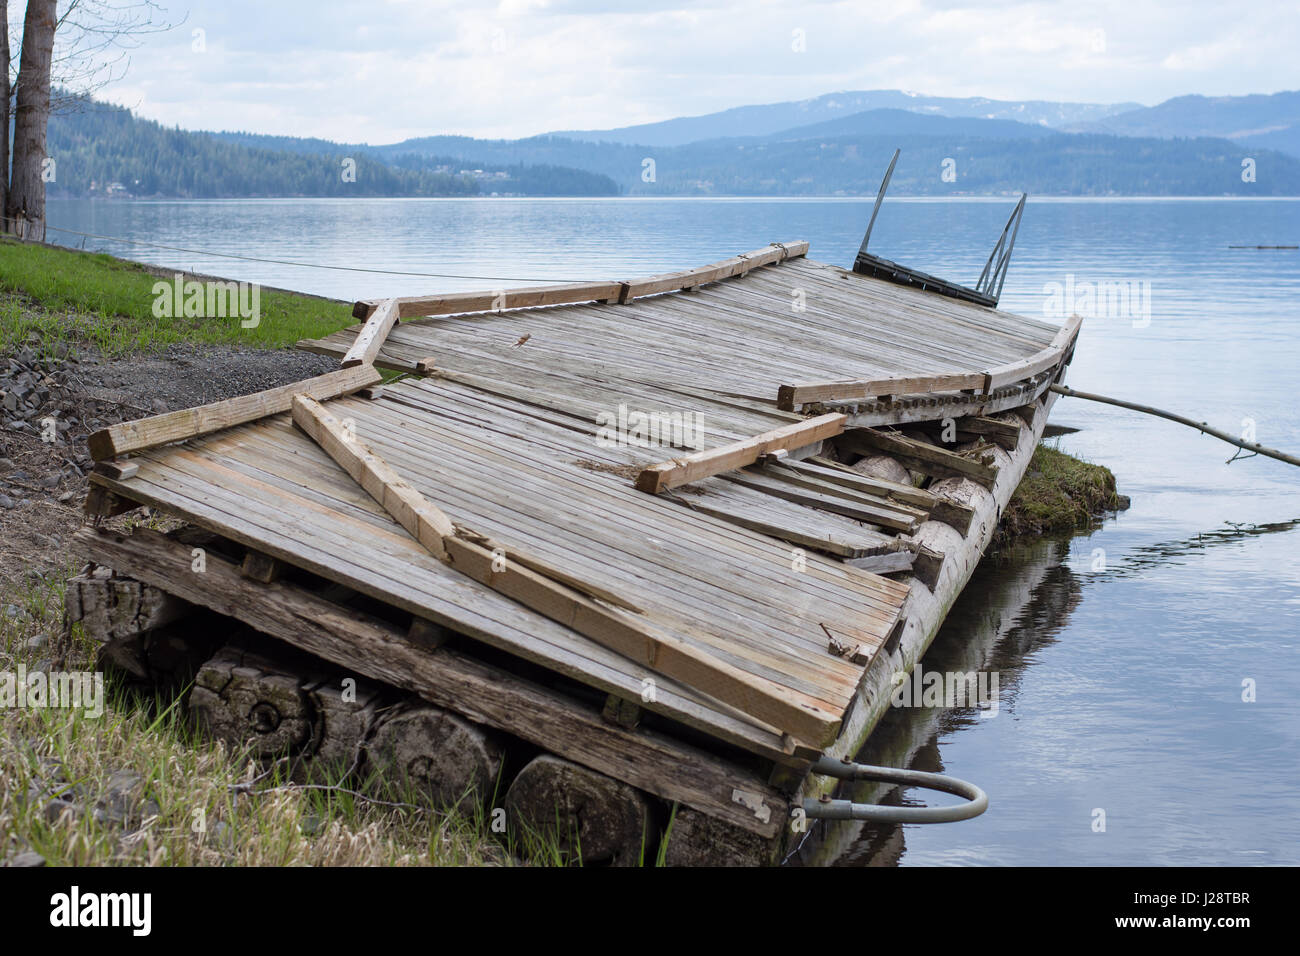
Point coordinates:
[(4, 98), (26, 200)]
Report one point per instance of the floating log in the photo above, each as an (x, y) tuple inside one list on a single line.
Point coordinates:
[(591, 816)]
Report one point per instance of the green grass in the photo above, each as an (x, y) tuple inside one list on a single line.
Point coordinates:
[(1058, 493), (65, 295)]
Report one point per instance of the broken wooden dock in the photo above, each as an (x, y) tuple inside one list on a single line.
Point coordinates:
[(680, 531)]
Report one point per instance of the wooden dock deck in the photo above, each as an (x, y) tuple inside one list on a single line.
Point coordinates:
[(767, 576)]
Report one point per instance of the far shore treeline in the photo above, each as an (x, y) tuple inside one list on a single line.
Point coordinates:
[(105, 151)]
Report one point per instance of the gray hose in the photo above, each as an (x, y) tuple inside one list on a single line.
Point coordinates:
[(827, 809)]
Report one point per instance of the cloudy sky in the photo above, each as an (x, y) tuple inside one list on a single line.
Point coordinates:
[(382, 70)]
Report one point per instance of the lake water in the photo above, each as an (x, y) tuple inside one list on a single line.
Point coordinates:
[(1123, 654)]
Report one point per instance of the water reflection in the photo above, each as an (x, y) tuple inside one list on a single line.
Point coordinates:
[(1018, 603)]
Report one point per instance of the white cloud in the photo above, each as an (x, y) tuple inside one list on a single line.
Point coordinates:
[(382, 71)]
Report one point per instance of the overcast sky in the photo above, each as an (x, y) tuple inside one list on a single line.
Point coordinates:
[(383, 70)]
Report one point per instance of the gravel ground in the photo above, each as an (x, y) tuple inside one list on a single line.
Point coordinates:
[(52, 398)]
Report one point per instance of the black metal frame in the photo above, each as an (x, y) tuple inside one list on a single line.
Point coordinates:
[(987, 291)]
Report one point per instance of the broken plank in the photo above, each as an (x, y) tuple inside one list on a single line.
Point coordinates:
[(883, 563), (191, 422), (918, 455), (713, 461), (372, 335), (953, 513), (836, 543)]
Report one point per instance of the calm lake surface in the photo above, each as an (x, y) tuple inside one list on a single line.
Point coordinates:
[(1122, 653)]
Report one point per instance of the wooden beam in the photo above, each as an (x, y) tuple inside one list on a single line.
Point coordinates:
[(372, 335), (426, 522), (919, 456), (495, 301), (1040, 361), (446, 678), (191, 422), (790, 397), (727, 268), (713, 461), (635, 636)]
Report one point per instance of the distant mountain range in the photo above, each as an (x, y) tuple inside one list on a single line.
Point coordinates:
[(837, 144), (1267, 122), (777, 117)]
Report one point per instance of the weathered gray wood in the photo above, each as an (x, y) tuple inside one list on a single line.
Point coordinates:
[(191, 422), (447, 678), (110, 608), (696, 839), (435, 756), (244, 699), (589, 815)]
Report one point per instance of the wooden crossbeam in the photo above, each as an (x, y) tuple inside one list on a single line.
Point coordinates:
[(919, 456), (714, 461), (191, 422), (790, 397), (372, 335), (634, 636)]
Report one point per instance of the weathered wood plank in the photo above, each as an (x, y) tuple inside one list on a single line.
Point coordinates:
[(726, 269), (639, 638), (191, 422), (495, 301), (790, 397), (1049, 357), (372, 335), (713, 461)]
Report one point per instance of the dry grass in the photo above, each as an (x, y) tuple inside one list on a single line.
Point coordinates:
[(196, 802)]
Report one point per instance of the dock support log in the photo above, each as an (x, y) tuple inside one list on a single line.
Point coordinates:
[(244, 699), (436, 755), (603, 819), (696, 839)]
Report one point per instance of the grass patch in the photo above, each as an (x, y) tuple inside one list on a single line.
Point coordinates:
[(186, 806), (1058, 493), (95, 298)]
